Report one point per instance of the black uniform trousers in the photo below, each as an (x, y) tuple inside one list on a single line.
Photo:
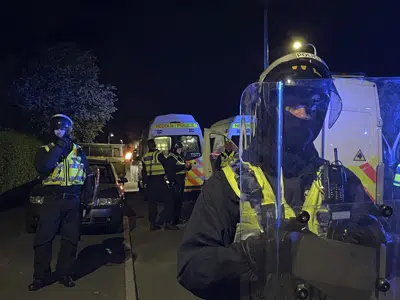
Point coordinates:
[(157, 191), (58, 213), (177, 196)]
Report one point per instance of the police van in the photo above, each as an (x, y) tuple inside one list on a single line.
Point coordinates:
[(167, 130)]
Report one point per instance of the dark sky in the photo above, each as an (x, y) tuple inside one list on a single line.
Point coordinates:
[(197, 56)]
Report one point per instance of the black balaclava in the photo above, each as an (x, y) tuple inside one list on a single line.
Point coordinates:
[(62, 122)]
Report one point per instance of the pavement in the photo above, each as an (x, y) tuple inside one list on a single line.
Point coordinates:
[(155, 257), (100, 266), (104, 267)]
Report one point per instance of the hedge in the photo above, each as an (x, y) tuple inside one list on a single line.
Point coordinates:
[(17, 153)]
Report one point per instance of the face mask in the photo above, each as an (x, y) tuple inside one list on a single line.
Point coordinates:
[(297, 133)]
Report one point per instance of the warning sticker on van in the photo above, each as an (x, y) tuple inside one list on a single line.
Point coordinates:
[(359, 156), (176, 125)]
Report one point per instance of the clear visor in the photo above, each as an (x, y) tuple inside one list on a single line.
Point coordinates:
[(309, 99)]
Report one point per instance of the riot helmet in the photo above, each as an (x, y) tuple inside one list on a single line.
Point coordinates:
[(304, 84), (177, 146), (307, 84), (61, 121), (151, 144)]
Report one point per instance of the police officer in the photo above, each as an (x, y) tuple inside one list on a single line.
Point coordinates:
[(229, 248), (65, 175), (176, 169), (153, 163), (228, 157)]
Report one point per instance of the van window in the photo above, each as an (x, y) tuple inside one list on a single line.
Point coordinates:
[(190, 142), (163, 143)]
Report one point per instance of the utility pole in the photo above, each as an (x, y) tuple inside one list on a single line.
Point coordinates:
[(266, 46)]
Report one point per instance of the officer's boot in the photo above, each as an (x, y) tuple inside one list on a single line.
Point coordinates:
[(170, 226), (41, 282), (154, 226), (180, 221), (67, 281), (37, 284)]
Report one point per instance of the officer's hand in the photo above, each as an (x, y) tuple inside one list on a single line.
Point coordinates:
[(171, 184), (188, 167), (63, 142), (254, 249), (263, 258), (253, 254)]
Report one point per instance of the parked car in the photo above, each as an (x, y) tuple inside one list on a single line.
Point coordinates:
[(109, 201)]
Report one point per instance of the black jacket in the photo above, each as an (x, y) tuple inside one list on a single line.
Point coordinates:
[(172, 168), (209, 263)]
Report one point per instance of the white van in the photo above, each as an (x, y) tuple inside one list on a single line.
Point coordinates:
[(166, 130)]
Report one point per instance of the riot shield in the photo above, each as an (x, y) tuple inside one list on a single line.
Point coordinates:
[(313, 226)]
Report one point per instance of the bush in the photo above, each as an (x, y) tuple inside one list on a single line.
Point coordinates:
[(17, 153)]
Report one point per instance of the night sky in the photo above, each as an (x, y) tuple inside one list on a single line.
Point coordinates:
[(197, 56)]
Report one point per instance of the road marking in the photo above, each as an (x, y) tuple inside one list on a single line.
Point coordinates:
[(130, 280)]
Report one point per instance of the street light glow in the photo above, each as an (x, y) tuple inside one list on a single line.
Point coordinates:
[(297, 45), (111, 134)]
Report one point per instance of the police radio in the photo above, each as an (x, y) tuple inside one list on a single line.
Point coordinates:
[(334, 180)]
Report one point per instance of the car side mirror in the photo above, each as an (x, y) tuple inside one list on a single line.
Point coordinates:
[(122, 180)]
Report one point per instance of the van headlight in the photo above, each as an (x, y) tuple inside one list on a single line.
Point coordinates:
[(108, 201), (36, 199)]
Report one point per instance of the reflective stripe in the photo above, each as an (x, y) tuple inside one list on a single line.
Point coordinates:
[(153, 165), (68, 172), (228, 159), (367, 175), (396, 181), (250, 223), (195, 176), (179, 162)]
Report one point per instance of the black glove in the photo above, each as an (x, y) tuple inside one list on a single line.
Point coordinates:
[(61, 142), (188, 167), (268, 264), (65, 143), (171, 184)]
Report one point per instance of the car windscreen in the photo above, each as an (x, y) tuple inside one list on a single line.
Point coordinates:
[(106, 174)]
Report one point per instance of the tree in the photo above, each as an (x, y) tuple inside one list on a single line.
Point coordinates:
[(389, 99), (64, 79)]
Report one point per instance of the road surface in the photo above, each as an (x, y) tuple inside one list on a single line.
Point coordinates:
[(155, 262)]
